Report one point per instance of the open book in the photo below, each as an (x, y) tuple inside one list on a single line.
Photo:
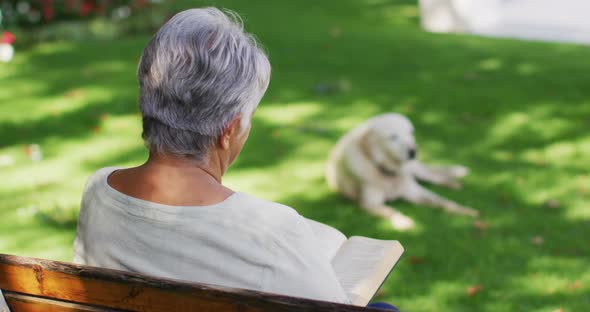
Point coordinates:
[(361, 264)]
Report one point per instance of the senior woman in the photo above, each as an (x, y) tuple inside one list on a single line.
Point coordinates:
[(201, 78)]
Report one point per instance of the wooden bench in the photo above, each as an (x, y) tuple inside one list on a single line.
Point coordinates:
[(41, 285)]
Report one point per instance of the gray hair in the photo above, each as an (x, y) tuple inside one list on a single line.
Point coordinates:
[(198, 73)]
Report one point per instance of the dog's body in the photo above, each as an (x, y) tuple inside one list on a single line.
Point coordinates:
[(376, 162)]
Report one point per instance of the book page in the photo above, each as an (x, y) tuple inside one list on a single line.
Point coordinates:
[(362, 264), (329, 238)]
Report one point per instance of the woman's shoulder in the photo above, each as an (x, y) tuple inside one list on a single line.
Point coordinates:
[(262, 206), (266, 212), (101, 174), (283, 221), (97, 179)]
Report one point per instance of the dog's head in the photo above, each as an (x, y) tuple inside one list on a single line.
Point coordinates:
[(390, 139)]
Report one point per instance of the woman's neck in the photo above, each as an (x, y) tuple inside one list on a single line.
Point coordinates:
[(185, 165), (173, 180)]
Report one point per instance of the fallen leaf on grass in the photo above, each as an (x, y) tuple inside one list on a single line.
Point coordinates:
[(552, 203), (575, 285), (537, 240), (472, 290), (480, 225), (74, 93), (415, 260), (380, 294), (335, 32), (408, 109)]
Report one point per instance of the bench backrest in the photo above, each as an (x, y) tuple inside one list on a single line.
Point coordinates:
[(41, 285)]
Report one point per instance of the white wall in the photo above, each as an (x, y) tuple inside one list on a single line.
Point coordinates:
[(556, 20)]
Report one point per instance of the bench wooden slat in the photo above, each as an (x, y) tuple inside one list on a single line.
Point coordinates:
[(28, 303), (128, 291)]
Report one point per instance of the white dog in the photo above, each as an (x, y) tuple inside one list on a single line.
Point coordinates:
[(376, 162)]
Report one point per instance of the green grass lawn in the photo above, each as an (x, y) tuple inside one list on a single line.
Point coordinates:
[(517, 113)]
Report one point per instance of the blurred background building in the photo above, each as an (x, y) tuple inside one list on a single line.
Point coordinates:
[(555, 20)]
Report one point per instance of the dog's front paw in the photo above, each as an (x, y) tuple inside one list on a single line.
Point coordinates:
[(455, 208), (402, 223), (467, 211), (454, 185), (459, 171), (472, 212)]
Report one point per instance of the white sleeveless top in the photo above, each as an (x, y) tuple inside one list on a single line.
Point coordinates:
[(242, 242)]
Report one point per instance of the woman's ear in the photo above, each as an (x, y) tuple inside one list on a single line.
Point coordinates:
[(231, 130), (224, 142)]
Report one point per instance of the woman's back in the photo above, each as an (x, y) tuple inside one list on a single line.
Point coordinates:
[(241, 242)]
